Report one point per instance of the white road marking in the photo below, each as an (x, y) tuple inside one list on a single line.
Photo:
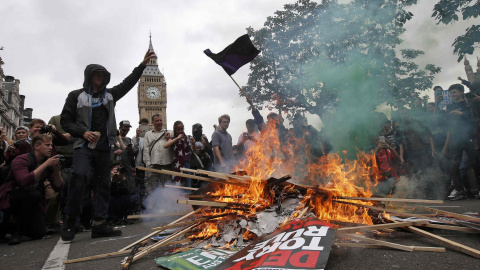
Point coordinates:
[(57, 256)]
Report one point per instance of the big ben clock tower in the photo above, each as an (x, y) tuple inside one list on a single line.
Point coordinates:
[(152, 91)]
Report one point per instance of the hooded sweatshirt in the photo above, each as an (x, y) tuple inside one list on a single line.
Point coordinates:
[(85, 111)]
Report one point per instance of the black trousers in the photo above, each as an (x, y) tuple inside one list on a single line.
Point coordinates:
[(456, 149), (27, 209)]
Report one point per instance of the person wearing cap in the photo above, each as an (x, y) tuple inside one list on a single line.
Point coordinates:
[(198, 136), (126, 155), (89, 116), (20, 146)]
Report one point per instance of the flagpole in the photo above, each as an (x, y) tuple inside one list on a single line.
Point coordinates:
[(238, 86)]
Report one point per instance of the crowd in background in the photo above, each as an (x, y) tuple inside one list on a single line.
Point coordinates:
[(42, 182)]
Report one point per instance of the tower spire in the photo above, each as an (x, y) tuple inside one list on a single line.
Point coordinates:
[(150, 46)]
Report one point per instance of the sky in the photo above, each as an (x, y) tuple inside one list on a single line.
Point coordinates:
[(47, 45)]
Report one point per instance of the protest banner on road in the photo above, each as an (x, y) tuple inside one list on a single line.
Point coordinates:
[(300, 244), (195, 259)]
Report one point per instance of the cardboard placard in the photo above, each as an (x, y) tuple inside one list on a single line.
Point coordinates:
[(299, 244), (195, 259)]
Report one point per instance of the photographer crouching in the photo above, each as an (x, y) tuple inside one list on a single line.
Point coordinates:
[(124, 198), (24, 196)]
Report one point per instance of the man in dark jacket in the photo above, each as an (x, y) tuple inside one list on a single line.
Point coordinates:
[(89, 116), (461, 130)]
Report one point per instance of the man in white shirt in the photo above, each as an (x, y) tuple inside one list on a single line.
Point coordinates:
[(155, 155)]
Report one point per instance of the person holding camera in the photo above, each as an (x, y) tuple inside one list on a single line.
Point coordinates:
[(181, 152), (24, 193), (388, 163), (247, 139), (20, 146), (138, 142), (126, 155)]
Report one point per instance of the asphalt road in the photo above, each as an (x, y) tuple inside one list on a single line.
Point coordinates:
[(34, 254)]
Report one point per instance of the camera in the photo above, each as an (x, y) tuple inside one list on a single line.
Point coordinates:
[(17, 143), (62, 159), (122, 170), (46, 129)]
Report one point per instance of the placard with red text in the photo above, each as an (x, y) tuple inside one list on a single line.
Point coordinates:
[(299, 244)]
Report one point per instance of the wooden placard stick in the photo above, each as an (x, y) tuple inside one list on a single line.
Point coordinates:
[(451, 228), (180, 187), (303, 212), (224, 176), (448, 243), (449, 214), (379, 242), (157, 215), (179, 224), (204, 203), (162, 242), (381, 226), (154, 233), (362, 245), (398, 213), (390, 200), (191, 176), (194, 176), (117, 253)]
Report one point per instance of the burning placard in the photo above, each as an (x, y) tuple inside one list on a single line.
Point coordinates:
[(299, 244)]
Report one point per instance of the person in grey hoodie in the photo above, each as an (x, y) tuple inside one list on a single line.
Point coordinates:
[(89, 116)]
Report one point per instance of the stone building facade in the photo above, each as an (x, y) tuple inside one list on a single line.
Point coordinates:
[(12, 109)]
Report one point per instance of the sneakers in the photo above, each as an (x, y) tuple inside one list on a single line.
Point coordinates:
[(15, 239), (456, 195), (67, 232), (104, 230)]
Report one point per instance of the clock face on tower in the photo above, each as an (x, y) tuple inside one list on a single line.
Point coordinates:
[(153, 92)]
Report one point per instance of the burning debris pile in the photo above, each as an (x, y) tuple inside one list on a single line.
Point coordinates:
[(261, 201)]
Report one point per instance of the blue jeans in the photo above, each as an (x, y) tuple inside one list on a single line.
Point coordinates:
[(83, 159)]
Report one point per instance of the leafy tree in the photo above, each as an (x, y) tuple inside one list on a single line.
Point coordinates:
[(339, 60), (447, 11)]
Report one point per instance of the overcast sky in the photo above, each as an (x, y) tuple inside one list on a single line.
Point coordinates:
[(49, 43)]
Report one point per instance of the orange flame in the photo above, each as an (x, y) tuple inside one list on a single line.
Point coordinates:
[(328, 177)]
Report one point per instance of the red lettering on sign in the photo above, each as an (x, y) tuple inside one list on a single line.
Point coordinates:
[(278, 258), (306, 259), (257, 263), (317, 222)]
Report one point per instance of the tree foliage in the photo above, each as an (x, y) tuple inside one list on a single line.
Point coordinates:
[(447, 11), (316, 55)]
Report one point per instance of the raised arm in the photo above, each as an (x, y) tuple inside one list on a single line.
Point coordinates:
[(128, 83)]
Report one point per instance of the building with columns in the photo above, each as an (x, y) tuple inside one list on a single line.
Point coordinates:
[(12, 110), (152, 91)]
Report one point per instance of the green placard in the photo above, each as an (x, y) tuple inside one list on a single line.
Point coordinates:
[(195, 259)]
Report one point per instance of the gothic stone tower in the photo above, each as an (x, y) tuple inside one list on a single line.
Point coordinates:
[(472, 77), (152, 91)]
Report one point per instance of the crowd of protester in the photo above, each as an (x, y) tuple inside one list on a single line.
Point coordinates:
[(84, 170)]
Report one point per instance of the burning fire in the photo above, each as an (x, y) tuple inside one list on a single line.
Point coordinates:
[(326, 178), (208, 230)]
